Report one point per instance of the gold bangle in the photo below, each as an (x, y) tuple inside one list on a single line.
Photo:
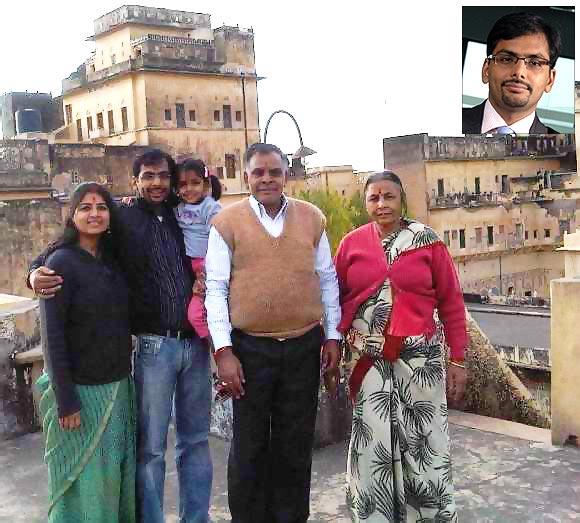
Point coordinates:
[(455, 364)]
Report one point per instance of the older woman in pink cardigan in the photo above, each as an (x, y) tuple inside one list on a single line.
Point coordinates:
[(394, 274)]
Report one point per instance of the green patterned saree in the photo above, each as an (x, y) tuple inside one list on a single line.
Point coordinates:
[(91, 470)]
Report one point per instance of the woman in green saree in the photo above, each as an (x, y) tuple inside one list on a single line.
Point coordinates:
[(87, 397)]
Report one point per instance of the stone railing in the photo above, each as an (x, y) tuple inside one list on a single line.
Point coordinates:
[(172, 40), (151, 62), (531, 197), (465, 200), (113, 70)]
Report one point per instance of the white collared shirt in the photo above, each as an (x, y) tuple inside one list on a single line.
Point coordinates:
[(492, 120), (218, 263)]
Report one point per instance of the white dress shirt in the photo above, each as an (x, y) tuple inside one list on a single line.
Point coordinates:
[(218, 264), (493, 120)]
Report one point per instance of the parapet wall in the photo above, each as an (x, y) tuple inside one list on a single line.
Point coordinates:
[(150, 16), (26, 227), (19, 331), (24, 155), (492, 387)]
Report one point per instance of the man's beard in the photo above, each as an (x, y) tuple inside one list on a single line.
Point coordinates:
[(513, 101)]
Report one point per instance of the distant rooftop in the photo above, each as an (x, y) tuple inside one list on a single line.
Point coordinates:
[(479, 147), (10, 304), (511, 326), (153, 16)]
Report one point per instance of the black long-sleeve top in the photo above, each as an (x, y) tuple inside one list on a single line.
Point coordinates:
[(85, 327)]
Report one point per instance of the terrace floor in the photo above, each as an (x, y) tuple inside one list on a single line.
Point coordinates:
[(503, 471)]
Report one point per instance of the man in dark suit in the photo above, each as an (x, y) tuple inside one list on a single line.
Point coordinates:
[(522, 50)]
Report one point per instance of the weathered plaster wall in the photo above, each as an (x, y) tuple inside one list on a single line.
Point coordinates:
[(26, 227), (405, 156), (565, 356), (340, 179), (518, 226), (204, 95), (109, 165), (110, 96), (459, 175), (234, 47), (203, 138), (524, 271), (115, 45), (24, 156)]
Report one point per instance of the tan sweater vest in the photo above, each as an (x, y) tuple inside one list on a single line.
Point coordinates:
[(274, 289)]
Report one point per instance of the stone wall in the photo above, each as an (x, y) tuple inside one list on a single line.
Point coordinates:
[(23, 179), (109, 165), (18, 332), (492, 387), (17, 156), (26, 227)]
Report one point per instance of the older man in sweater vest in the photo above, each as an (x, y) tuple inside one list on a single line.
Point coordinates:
[(270, 284)]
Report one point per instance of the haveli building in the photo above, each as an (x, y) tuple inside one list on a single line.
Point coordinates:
[(501, 204), (165, 78)]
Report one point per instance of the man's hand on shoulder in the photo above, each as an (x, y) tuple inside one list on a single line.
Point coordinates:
[(45, 282), (128, 201)]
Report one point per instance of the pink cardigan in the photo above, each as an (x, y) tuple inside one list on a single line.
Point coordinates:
[(422, 279)]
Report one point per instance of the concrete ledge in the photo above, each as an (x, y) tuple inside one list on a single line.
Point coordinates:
[(500, 426), (30, 356), (10, 304)]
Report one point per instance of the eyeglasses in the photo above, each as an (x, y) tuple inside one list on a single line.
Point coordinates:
[(149, 177), (510, 60)]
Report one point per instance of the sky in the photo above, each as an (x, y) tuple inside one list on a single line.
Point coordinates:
[(351, 73)]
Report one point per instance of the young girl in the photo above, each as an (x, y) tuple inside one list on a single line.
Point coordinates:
[(199, 193)]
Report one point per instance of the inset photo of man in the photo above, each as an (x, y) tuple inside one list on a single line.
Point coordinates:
[(518, 70)]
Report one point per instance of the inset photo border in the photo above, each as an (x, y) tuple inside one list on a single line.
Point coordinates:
[(518, 70)]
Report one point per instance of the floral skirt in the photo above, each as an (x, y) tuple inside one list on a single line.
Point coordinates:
[(399, 464)]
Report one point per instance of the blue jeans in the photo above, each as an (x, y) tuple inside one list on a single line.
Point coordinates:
[(168, 369)]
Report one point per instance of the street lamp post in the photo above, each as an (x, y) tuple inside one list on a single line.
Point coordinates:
[(244, 104), (302, 151)]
